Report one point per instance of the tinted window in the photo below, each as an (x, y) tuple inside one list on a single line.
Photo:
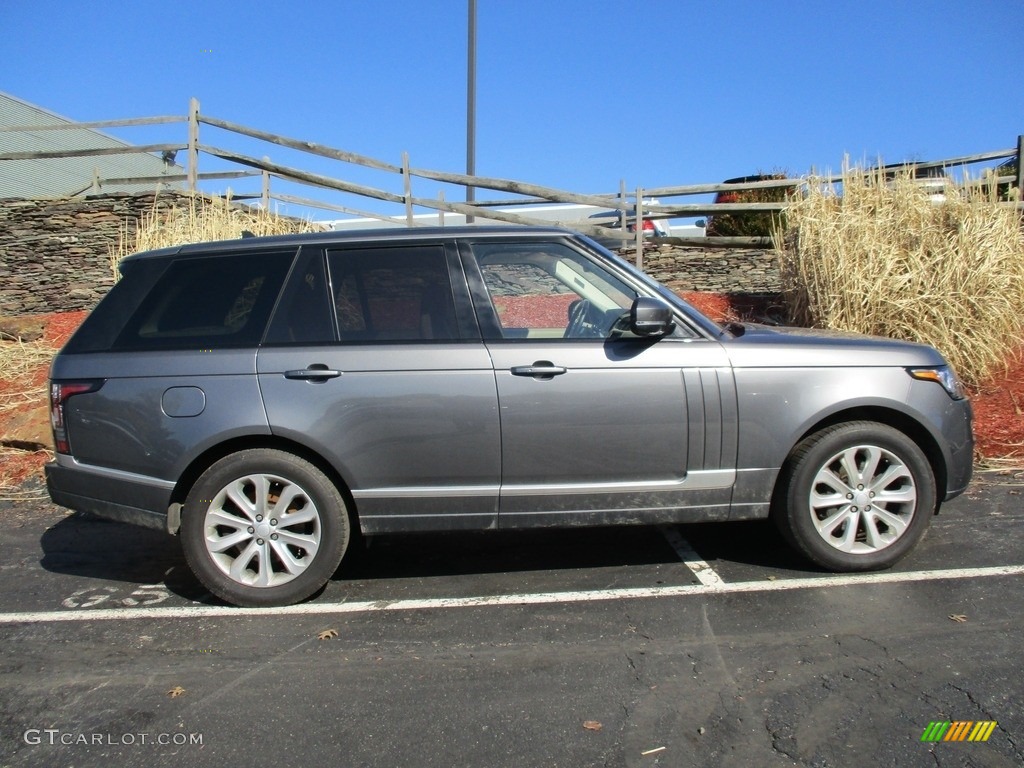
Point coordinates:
[(400, 293), (303, 315), (549, 291), (208, 302), (102, 326)]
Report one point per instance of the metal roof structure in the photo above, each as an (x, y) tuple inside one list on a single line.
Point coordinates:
[(71, 176)]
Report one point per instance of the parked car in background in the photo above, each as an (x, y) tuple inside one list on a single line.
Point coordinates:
[(268, 400), (1010, 169), (611, 220), (931, 180)]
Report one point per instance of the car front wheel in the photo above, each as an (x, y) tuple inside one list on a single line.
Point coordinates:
[(263, 527), (855, 496)]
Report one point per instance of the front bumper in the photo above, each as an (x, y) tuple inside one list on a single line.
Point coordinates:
[(960, 439)]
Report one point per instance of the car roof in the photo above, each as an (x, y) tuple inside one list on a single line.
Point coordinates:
[(363, 235)]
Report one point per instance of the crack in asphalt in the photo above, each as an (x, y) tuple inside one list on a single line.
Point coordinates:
[(988, 716)]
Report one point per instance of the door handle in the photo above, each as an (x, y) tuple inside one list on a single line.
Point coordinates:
[(542, 369), (315, 372)]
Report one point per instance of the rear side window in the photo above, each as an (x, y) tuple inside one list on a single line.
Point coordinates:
[(400, 293), (103, 325), (208, 302)]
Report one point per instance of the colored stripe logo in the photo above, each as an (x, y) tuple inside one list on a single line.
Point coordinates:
[(959, 730)]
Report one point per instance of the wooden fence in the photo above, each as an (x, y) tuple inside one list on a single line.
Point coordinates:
[(628, 206)]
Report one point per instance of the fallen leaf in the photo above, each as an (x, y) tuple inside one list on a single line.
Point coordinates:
[(327, 634), (176, 691), (592, 725), (958, 617)]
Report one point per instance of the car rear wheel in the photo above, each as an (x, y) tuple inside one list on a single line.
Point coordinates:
[(855, 496), (263, 527)]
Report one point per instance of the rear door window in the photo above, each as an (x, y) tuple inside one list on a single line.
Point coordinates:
[(393, 294), (303, 315), (209, 302)]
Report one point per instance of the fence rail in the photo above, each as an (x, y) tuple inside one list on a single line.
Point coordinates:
[(626, 207)]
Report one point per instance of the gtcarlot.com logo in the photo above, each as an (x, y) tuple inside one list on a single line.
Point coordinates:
[(959, 730), (55, 736)]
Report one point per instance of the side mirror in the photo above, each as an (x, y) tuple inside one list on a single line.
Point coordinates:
[(650, 316)]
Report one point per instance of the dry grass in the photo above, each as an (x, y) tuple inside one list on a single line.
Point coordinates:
[(20, 363), (202, 220), (884, 259), (15, 466), (20, 358)]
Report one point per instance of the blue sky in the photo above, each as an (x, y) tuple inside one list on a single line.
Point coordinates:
[(575, 94)]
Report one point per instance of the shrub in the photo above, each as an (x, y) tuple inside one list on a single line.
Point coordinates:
[(886, 259), (749, 224)]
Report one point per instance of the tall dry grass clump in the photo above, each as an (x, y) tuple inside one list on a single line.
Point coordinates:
[(19, 363), (889, 259), (201, 220)]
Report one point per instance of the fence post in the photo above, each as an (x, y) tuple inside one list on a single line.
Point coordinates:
[(95, 180), (440, 211), (265, 192), (622, 208), (1020, 167), (639, 229), (408, 189), (193, 143)]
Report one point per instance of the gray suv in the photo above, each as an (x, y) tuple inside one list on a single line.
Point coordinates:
[(270, 399)]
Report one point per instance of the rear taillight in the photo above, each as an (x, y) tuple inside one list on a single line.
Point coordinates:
[(60, 391)]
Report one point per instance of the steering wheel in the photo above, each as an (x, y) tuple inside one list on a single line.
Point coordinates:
[(580, 325)]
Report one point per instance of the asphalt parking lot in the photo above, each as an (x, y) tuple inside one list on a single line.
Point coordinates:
[(678, 646)]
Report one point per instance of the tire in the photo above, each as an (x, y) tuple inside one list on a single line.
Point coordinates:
[(244, 548), (855, 496)]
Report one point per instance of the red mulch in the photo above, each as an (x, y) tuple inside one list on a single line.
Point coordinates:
[(59, 327), (999, 414), (534, 311), (998, 404), (714, 305), (17, 467)]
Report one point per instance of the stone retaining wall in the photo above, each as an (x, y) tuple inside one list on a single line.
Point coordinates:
[(716, 270), (55, 254)]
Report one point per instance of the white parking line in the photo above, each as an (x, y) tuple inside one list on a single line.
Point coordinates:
[(323, 609), (704, 572)]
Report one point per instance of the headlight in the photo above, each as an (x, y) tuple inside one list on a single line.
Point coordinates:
[(944, 375)]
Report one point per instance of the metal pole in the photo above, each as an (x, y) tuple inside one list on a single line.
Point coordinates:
[(471, 107)]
